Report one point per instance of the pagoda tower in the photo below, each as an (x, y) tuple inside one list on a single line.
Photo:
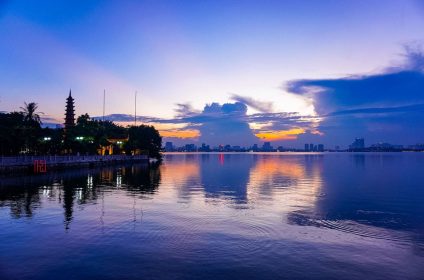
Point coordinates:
[(70, 112)]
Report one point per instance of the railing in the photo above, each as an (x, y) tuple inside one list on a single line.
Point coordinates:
[(29, 160)]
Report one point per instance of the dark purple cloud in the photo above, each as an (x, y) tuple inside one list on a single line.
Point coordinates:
[(396, 86), (386, 106), (390, 89), (126, 118), (261, 106)]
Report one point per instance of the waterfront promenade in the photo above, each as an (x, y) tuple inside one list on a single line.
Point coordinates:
[(41, 163)]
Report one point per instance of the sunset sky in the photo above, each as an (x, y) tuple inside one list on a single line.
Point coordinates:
[(223, 72)]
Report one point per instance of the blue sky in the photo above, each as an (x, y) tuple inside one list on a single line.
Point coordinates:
[(290, 65)]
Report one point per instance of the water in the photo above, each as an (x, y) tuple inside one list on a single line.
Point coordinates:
[(219, 216)]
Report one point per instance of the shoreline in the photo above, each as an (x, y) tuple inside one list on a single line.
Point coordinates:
[(291, 152), (43, 164)]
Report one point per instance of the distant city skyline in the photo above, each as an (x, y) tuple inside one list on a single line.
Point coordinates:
[(285, 72), (358, 145)]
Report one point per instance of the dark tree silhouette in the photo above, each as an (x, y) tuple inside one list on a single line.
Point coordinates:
[(22, 134), (144, 138), (30, 113)]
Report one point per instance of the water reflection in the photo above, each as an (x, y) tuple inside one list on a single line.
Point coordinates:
[(226, 175), (260, 215), (24, 194), (374, 195), (311, 188)]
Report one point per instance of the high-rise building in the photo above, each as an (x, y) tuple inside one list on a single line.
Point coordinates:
[(204, 148), (169, 147), (266, 147), (190, 148), (69, 112), (320, 148), (236, 148), (358, 144), (306, 147)]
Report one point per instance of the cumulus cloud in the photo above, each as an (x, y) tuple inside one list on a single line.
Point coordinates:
[(217, 124), (227, 124), (261, 106)]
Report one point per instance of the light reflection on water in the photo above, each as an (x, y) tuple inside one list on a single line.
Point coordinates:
[(211, 216)]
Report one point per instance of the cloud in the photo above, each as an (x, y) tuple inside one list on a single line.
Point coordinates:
[(401, 88), (125, 118), (395, 86), (261, 106), (50, 122), (229, 124), (384, 106), (217, 124), (180, 133), (376, 111), (47, 118), (290, 134), (226, 124), (185, 110), (414, 57)]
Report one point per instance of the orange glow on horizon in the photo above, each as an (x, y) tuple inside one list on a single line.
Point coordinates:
[(183, 134), (290, 134)]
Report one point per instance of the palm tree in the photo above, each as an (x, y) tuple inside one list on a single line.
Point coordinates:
[(30, 114), (31, 126)]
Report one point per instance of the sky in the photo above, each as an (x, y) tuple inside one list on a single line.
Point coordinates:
[(223, 72)]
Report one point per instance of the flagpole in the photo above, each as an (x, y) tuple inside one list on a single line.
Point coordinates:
[(135, 109), (104, 104)]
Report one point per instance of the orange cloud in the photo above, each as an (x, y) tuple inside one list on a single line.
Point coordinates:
[(183, 134), (290, 134)]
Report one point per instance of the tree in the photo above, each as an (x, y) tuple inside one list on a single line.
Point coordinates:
[(50, 142), (83, 119), (31, 127), (88, 135), (30, 114), (144, 138), (12, 138), (22, 133)]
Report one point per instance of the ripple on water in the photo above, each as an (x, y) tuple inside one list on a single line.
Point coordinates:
[(253, 236), (352, 227), (245, 237)]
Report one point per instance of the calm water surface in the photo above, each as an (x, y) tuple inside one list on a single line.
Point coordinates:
[(219, 216)]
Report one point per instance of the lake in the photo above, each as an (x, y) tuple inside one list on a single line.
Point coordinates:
[(219, 216)]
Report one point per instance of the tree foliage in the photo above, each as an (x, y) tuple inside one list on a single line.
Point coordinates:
[(22, 133), (29, 111), (144, 138)]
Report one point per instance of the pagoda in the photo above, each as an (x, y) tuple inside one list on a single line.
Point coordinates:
[(70, 112)]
